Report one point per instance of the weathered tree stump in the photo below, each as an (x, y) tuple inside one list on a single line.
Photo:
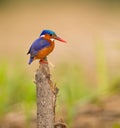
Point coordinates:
[(46, 93), (46, 97)]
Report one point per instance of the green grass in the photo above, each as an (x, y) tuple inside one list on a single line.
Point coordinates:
[(16, 89), (101, 67)]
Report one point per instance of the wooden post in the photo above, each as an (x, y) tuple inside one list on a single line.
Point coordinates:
[(46, 93)]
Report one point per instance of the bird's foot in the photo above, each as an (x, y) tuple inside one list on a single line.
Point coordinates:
[(43, 62)]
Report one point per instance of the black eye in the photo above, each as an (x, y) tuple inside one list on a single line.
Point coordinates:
[(50, 34)]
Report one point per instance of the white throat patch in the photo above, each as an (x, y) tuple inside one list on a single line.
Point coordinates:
[(52, 39)]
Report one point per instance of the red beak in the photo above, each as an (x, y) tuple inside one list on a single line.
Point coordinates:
[(59, 39)]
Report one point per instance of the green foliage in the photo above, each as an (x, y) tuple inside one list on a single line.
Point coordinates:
[(16, 89), (101, 67), (115, 85), (116, 125)]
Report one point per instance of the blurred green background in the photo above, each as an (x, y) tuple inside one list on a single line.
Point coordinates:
[(86, 68)]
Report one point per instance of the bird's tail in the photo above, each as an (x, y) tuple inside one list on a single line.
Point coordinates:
[(31, 60)]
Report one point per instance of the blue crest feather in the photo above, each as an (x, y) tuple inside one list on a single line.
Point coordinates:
[(47, 32)]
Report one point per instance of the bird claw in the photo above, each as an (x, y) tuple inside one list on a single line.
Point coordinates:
[(43, 62)]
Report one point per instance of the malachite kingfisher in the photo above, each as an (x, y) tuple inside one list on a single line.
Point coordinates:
[(43, 46)]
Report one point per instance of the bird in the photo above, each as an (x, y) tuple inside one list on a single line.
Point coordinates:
[(43, 46)]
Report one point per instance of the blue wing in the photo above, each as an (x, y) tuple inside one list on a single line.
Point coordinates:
[(37, 45)]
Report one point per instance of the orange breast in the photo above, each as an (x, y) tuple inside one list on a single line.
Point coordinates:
[(45, 51)]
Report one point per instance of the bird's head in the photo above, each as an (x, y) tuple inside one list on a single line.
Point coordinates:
[(51, 35)]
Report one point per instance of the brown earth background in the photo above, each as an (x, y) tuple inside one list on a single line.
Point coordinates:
[(82, 24)]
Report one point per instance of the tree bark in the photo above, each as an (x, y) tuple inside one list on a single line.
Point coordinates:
[(46, 97), (46, 93)]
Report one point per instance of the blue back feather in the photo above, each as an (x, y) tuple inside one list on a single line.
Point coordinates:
[(37, 45)]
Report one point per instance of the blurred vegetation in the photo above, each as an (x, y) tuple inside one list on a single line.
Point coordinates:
[(101, 67), (73, 87), (116, 125), (17, 91)]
